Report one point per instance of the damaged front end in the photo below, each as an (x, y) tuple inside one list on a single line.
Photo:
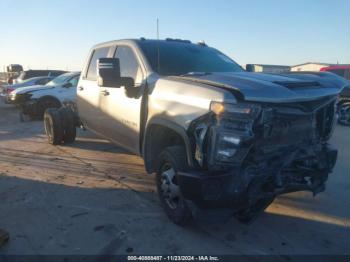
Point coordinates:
[(247, 154), (30, 107)]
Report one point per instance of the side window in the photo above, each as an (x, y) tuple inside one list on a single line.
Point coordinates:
[(129, 67), (74, 81), (98, 53)]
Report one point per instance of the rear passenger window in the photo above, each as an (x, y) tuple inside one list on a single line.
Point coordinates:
[(98, 53)]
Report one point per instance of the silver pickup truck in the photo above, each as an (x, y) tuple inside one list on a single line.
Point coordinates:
[(218, 138)]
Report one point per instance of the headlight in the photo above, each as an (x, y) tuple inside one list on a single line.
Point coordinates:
[(20, 98), (226, 148), (12, 96), (227, 145), (230, 137)]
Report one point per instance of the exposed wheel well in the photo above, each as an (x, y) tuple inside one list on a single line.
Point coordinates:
[(50, 98), (158, 137)]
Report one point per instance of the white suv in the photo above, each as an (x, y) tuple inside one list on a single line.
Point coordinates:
[(34, 100)]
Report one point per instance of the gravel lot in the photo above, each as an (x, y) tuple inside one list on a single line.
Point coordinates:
[(94, 198)]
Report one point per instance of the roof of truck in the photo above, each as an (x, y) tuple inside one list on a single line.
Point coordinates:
[(137, 40)]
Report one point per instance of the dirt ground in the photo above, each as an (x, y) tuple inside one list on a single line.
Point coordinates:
[(92, 197)]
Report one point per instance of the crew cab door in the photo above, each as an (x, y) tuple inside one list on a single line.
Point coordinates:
[(121, 107), (88, 92)]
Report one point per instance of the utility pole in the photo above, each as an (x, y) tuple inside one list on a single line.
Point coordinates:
[(158, 66)]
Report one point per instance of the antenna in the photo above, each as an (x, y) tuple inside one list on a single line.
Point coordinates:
[(157, 29), (158, 69)]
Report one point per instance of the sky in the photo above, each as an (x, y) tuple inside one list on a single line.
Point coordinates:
[(58, 34)]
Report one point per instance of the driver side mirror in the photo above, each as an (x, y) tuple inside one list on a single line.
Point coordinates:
[(108, 71)]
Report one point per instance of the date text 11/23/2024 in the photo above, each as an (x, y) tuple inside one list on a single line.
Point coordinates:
[(173, 258)]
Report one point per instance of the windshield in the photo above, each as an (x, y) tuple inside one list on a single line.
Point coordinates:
[(24, 82), (59, 80), (180, 58)]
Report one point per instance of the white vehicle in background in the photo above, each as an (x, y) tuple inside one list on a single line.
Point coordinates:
[(5, 90), (34, 100), (24, 75)]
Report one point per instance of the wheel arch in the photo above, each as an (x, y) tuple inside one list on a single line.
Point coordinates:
[(49, 97), (161, 133)]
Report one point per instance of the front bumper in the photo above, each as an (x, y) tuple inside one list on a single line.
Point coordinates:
[(3, 94), (241, 189), (5, 98)]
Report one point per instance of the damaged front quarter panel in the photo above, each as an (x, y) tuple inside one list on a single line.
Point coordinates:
[(253, 157)]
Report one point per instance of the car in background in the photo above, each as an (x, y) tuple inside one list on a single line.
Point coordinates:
[(343, 107), (24, 75), (5, 90), (34, 100), (340, 70), (12, 72)]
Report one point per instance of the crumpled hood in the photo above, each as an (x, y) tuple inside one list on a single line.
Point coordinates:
[(287, 87), (27, 89)]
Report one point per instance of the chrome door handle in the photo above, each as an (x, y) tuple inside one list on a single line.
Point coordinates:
[(81, 88), (105, 92)]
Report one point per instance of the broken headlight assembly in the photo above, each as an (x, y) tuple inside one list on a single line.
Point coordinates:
[(230, 136), (20, 98)]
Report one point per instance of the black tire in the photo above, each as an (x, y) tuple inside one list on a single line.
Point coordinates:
[(344, 115), (53, 126), (45, 103), (69, 126), (173, 158)]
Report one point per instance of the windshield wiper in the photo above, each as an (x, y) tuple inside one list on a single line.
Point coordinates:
[(196, 74)]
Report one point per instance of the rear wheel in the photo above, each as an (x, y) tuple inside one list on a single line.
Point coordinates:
[(68, 119), (53, 126), (172, 160)]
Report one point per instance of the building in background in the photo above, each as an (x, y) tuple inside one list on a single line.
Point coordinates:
[(267, 68), (310, 66)]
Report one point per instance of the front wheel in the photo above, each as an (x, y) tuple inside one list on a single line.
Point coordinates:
[(172, 160), (344, 115)]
